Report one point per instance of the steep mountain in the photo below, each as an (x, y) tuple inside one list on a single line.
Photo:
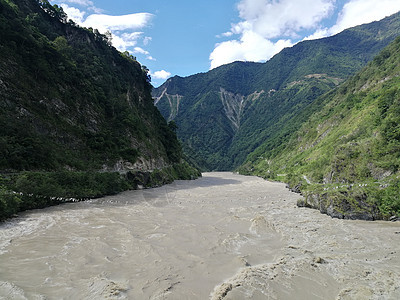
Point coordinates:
[(226, 113), (345, 158), (71, 102)]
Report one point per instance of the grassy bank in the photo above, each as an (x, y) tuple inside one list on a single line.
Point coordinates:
[(367, 200), (31, 190)]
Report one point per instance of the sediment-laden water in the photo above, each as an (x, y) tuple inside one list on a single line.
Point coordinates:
[(223, 236)]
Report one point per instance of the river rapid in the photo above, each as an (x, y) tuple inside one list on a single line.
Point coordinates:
[(223, 236)]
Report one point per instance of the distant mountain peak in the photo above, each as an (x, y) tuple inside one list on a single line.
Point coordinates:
[(243, 116)]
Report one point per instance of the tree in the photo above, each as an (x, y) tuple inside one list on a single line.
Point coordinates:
[(127, 55), (54, 11), (61, 44), (146, 71), (172, 125)]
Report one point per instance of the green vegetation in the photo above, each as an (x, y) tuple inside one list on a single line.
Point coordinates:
[(73, 109), (42, 189), (9, 203), (346, 155), (265, 102), (166, 175)]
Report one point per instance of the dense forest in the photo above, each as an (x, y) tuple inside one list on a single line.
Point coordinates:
[(75, 113)]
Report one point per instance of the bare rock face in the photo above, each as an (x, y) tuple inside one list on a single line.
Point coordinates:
[(340, 206), (141, 164)]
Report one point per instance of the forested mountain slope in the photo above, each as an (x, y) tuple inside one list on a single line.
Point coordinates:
[(69, 101), (345, 158), (226, 113)]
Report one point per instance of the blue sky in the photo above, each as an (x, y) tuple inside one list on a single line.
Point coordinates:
[(181, 37)]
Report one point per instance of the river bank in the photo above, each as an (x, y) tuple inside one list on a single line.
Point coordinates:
[(38, 189), (223, 236)]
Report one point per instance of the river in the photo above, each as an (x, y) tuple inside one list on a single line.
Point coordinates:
[(223, 236)]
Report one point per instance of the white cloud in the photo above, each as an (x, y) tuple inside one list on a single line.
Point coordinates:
[(127, 24), (106, 22), (124, 28), (357, 12), (160, 74), (147, 40), (125, 40), (264, 20), (80, 2), (73, 13), (84, 3), (141, 51), (283, 18), (144, 52), (131, 35), (320, 33), (225, 34), (250, 47)]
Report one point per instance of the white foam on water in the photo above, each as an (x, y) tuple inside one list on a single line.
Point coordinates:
[(23, 226), (9, 291)]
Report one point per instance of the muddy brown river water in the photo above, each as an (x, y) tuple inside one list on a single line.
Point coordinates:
[(223, 236)]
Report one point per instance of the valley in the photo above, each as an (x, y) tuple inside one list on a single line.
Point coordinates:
[(202, 187), (316, 115)]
